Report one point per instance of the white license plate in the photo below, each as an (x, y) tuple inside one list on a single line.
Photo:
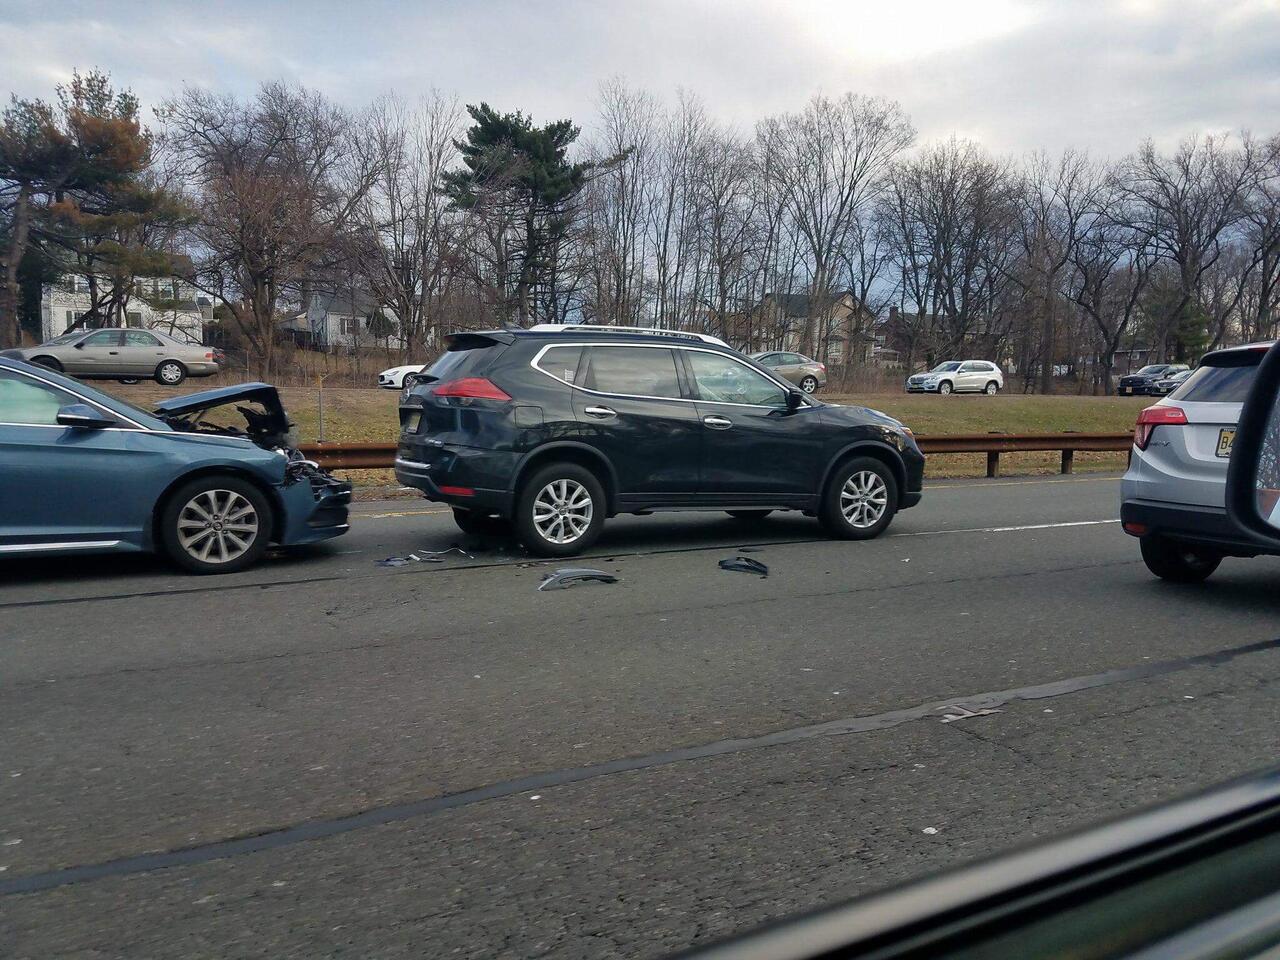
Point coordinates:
[(1127, 391), (1225, 439), (411, 424)]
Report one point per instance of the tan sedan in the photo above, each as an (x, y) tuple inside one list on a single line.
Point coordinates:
[(123, 354), (806, 374)]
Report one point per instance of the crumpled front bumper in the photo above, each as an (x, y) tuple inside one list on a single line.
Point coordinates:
[(316, 507)]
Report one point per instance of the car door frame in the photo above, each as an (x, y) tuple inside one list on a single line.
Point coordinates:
[(967, 380), (146, 359), (80, 362), (801, 492)]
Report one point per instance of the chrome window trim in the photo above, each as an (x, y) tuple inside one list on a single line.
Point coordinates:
[(784, 387), (63, 545)]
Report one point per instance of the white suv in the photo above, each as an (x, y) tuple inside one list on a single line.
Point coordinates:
[(1173, 496), (959, 376)]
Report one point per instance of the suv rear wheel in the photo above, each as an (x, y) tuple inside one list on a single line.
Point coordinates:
[(992, 389), (560, 510), (860, 500), (1177, 562)]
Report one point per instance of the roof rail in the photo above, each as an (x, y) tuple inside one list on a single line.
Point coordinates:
[(609, 328)]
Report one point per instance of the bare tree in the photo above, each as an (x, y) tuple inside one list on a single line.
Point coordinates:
[(276, 182), (828, 159)]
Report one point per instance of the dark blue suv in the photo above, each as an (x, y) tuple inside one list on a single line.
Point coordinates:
[(558, 427)]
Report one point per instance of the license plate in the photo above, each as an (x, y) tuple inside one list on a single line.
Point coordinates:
[(1225, 439), (1127, 391), (411, 422)]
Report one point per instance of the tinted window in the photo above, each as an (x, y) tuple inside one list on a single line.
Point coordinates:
[(767, 359), (140, 338), (561, 363), (633, 371), (103, 338), (467, 356), (795, 358), (23, 400), (948, 367), (725, 380), (1152, 368), (1217, 384), (970, 367)]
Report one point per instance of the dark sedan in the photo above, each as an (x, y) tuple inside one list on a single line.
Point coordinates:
[(1143, 383)]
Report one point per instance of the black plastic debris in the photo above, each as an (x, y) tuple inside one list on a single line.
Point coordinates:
[(744, 565), (572, 576), (393, 562)]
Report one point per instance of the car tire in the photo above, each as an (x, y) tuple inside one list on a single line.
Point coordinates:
[(212, 500), (170, 373), (945, 387), (858, 488), (1177, 562), (559, 487), (49, 363), (992, 389), (748, 514), (128, 380), (479, 524), (809, 384)]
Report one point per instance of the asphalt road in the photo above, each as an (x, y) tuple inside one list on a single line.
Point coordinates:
[(324, 757)]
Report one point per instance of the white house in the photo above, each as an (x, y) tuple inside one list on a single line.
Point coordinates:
[(342, 320), (181, 310)]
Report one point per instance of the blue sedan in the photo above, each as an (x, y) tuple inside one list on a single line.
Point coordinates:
[(84, 472)]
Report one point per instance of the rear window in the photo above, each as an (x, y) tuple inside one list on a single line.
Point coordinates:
[(1215, 383), (466, 356)]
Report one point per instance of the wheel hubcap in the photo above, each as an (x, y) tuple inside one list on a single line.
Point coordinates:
[(217, 526), (562, 511), (170, 373), (864, 499), (809, 385)]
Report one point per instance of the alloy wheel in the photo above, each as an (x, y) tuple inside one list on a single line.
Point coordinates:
[(562, 511), (217, 526), (809, 384), (864, 499), (171, 373)]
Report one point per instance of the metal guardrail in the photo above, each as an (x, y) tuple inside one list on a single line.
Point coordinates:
[(374, 456)]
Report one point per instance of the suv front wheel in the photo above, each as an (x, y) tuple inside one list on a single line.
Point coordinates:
[(1177, 562), (860, 499), (560, 510)]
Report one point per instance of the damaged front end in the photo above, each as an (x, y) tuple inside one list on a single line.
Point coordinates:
[(316, 502)]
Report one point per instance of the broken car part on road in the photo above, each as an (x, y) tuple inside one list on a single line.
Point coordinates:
[(745, 565), (572, 576)]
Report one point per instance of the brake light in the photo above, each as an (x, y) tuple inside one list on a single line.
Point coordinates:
[(209, 355), (458, 491), (1153, 417), (471, 388)]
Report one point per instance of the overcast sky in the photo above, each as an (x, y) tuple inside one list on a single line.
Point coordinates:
[(1015, 75)]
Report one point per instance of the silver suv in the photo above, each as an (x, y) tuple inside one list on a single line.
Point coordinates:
[(959, 376), (1173, 496)]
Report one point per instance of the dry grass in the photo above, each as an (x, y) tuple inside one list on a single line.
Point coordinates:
[(354, 415)]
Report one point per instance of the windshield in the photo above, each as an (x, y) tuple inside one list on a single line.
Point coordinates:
[(1152, 368), (947, 367), (67, 337)]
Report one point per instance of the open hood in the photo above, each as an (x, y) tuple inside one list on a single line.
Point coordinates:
[(259, 406)]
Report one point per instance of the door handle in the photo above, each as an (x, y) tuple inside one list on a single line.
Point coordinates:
[(599, 412), (114, 353), (717, 423)]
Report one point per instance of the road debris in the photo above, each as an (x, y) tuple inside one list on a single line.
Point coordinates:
[(930, 830), (745, 565), (572, 576), (963, 713), (422, 556)]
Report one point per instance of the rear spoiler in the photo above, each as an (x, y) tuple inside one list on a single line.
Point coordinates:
[(477, 340)]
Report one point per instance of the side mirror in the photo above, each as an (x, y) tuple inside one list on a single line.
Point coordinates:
[(795, 399), (84, 417), (1253, 475), (80, 345)]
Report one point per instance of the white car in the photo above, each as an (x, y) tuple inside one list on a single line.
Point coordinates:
[(393, 379), (959, 376)]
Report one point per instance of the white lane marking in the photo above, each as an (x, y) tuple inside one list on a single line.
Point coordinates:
[(1029, 526)]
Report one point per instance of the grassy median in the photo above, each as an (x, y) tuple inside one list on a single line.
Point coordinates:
[(352, 415)]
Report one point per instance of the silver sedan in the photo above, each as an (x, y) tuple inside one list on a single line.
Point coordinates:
[(123, 354)]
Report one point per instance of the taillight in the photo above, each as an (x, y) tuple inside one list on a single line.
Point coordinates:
[(1153, 417), (209, 355), (471, 388)]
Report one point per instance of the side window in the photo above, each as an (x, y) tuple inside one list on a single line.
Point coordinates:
[(969, 367), (633, 371), (27, 401), (139, 338), (561, 363), (103, 338), (724, 380), (793, 358)]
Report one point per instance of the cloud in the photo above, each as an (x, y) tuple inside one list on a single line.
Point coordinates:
[(1017, 75)]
